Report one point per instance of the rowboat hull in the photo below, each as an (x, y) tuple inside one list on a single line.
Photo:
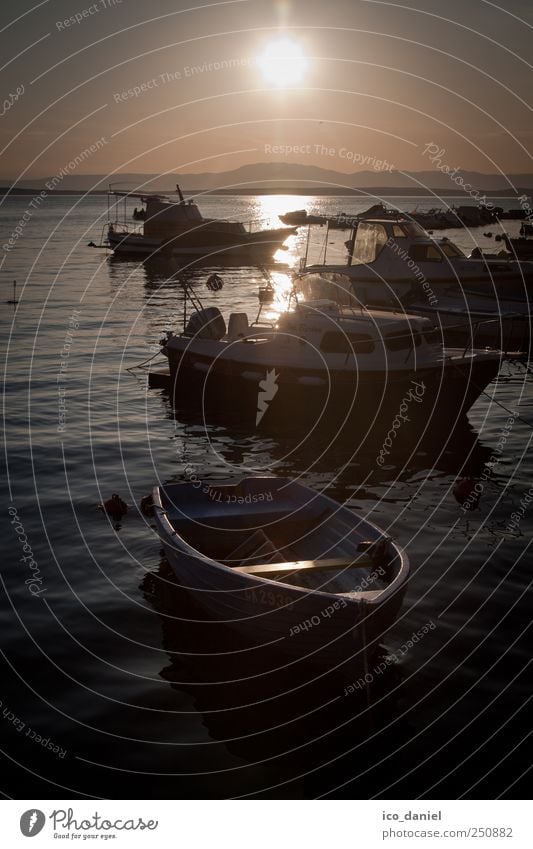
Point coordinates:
[(293, 620), (281, 617)]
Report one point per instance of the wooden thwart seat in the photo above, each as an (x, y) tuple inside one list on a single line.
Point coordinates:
[(300, 565)]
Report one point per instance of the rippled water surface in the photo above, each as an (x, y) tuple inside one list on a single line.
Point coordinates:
[(114, 686)]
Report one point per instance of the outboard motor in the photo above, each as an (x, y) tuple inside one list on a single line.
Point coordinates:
[(206, 324)]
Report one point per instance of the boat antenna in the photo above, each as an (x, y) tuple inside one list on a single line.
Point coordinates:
[(189, 296), (182, 199)]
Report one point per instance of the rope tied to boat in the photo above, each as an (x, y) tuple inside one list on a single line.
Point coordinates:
[(149, 360), (512, 413), (507, 410)]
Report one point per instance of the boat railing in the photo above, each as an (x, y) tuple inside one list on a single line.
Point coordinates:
[(103, 235), (117, 209), (262, 325), (478, 325), (256, 224), (125, 227)]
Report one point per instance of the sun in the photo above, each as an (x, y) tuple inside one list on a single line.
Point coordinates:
[(283, 63)]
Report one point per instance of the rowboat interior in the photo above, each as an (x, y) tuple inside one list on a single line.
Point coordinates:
[(317, 545)]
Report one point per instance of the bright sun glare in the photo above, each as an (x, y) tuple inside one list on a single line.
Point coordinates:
[(283, 63)]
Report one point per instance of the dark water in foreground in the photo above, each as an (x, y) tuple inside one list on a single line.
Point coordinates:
[(114, 686)]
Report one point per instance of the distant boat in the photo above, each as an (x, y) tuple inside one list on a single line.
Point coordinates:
[(513, 214), (301, 218), (282, 563), (454, 217), (340, 221), (436, 219), (177, 228)]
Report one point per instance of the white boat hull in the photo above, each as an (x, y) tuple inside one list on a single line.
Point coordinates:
[(135, 244), (295, 621)]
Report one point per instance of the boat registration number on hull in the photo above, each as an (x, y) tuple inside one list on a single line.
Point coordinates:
[(268, 598)]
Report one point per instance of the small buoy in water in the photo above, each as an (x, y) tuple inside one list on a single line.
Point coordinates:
[(488, 235), (497, 237), (115, 506), (466, 494), (214, 283), (147, 505)]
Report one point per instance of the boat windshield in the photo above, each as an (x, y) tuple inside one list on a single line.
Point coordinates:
[(369, 242), (331, 287)]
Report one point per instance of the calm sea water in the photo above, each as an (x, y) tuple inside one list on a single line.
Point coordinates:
[(112, 686)]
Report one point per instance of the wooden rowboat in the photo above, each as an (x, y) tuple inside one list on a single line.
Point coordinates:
[(281, 563)]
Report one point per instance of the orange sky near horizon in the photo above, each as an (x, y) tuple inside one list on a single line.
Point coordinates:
[(170, 90)]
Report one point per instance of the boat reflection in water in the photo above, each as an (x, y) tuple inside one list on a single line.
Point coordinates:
[(344, 458), (284, 720)]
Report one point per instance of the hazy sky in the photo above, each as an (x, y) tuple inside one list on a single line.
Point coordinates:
[(381, 79)]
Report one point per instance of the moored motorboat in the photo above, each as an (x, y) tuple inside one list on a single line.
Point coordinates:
[(482, 300), (322, 363), (177, 228), (397, 254), (281, 563)]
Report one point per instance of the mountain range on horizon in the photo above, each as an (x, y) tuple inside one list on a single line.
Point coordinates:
[(285, 175)]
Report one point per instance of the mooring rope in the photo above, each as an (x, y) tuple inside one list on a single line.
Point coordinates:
[(149, 360), (499, 403)]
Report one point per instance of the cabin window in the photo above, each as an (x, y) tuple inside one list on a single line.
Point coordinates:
[(449, 249), (369, 241), (413, 230), (425, 253), (398, 232), (334, 342), (402, 341)]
